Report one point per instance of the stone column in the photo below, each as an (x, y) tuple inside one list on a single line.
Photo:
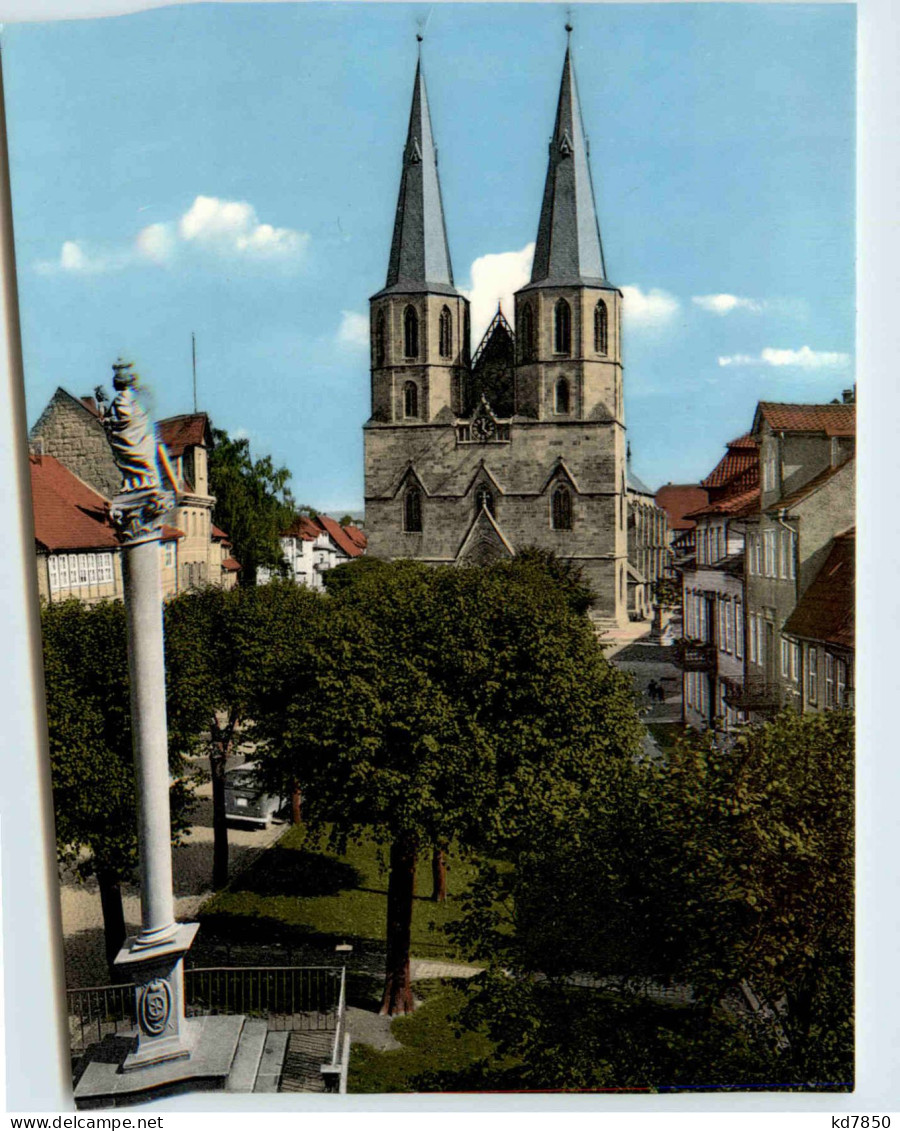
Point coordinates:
[(152, 959)]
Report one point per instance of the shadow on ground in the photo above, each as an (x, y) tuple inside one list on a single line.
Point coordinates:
[(299, 873)]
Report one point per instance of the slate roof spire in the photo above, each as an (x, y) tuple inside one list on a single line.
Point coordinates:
[(568, 247), (420, 257)]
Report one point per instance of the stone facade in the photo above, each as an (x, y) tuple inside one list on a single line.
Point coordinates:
[(69, 429), (525, 446)]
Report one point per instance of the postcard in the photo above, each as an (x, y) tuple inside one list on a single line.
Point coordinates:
[(441, 437)]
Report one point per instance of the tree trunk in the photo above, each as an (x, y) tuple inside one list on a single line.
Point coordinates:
[(401, 888), (113, 920), (438, 875), (295, 803), (217, 760)]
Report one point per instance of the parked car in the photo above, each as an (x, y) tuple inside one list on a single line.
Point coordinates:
[(246, 799)]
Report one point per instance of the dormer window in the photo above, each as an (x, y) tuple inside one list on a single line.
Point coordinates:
[(562, 327), (410, 332)]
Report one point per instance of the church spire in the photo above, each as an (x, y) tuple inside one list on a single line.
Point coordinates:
[(420, 257), (568, 248)]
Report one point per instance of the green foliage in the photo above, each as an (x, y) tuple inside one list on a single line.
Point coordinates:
[(563, 572), (301, 894), (218, 644), (431, 1043), (443, 703), (715, 869), (253, 503), (89, 721)]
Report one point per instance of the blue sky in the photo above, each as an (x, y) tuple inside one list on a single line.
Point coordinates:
[(233, 171)]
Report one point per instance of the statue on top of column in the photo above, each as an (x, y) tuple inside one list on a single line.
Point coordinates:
[(139, 508), (129, 431)]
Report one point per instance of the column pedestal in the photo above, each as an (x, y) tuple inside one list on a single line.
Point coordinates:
[(163, 1031)]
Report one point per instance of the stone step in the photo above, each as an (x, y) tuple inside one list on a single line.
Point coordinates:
[(268, 1076), (307, 1052), (245, 1067)]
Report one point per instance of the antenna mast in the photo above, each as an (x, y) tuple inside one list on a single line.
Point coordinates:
[(194, 361)]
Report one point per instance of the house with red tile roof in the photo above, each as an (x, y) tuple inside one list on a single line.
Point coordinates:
[(713, 602), (69, 429), (807, 497), (313, 545), (77, 547), (781, 508)]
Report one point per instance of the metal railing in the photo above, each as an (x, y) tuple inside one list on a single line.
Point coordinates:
[(335, 1072), (98, 1011), (296, 998)]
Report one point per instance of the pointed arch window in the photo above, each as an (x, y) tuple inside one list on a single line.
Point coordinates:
[(411, 399), (527, 333), (484, 499), (412, 511), (410, 332), (561, 510), (601, 328), (563, 400), (445, 337), (562, 327), (379, 339)]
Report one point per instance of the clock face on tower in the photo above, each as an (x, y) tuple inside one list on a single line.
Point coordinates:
[(484, 426)]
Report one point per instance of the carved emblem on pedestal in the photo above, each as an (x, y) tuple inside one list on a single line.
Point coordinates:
[(154, 1007)]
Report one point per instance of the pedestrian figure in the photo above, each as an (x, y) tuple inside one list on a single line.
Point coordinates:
[(652, 690), (660, 693)]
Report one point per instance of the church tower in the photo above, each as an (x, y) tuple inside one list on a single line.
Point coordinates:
[(524, 445), (419, 321)]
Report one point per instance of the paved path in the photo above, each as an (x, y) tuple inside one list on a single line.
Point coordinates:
[(192, 873)]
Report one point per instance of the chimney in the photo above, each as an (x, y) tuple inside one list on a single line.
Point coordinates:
[(37, 448), (849, 396)]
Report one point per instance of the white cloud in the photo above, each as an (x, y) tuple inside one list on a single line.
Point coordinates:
[(228, 229), (496, 278), (725, 304), (75, 259), (354, 329), (156, 243), (648, 308), (232, 228), (803, 358)]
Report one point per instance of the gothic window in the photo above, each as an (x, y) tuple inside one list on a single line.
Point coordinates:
[(601, 327), (411, 332), (410, 399), (379, 339), (484, 499), (446, 331), (412, 511), (562, 396), (527, 333), (562, 509), (562, 327)]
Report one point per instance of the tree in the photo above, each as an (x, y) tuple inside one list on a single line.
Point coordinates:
[(216, 644), (253, 503), (720, 869), (91, 761), (433, 705)]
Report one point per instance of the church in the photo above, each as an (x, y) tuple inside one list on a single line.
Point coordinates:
[(471, 457)]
